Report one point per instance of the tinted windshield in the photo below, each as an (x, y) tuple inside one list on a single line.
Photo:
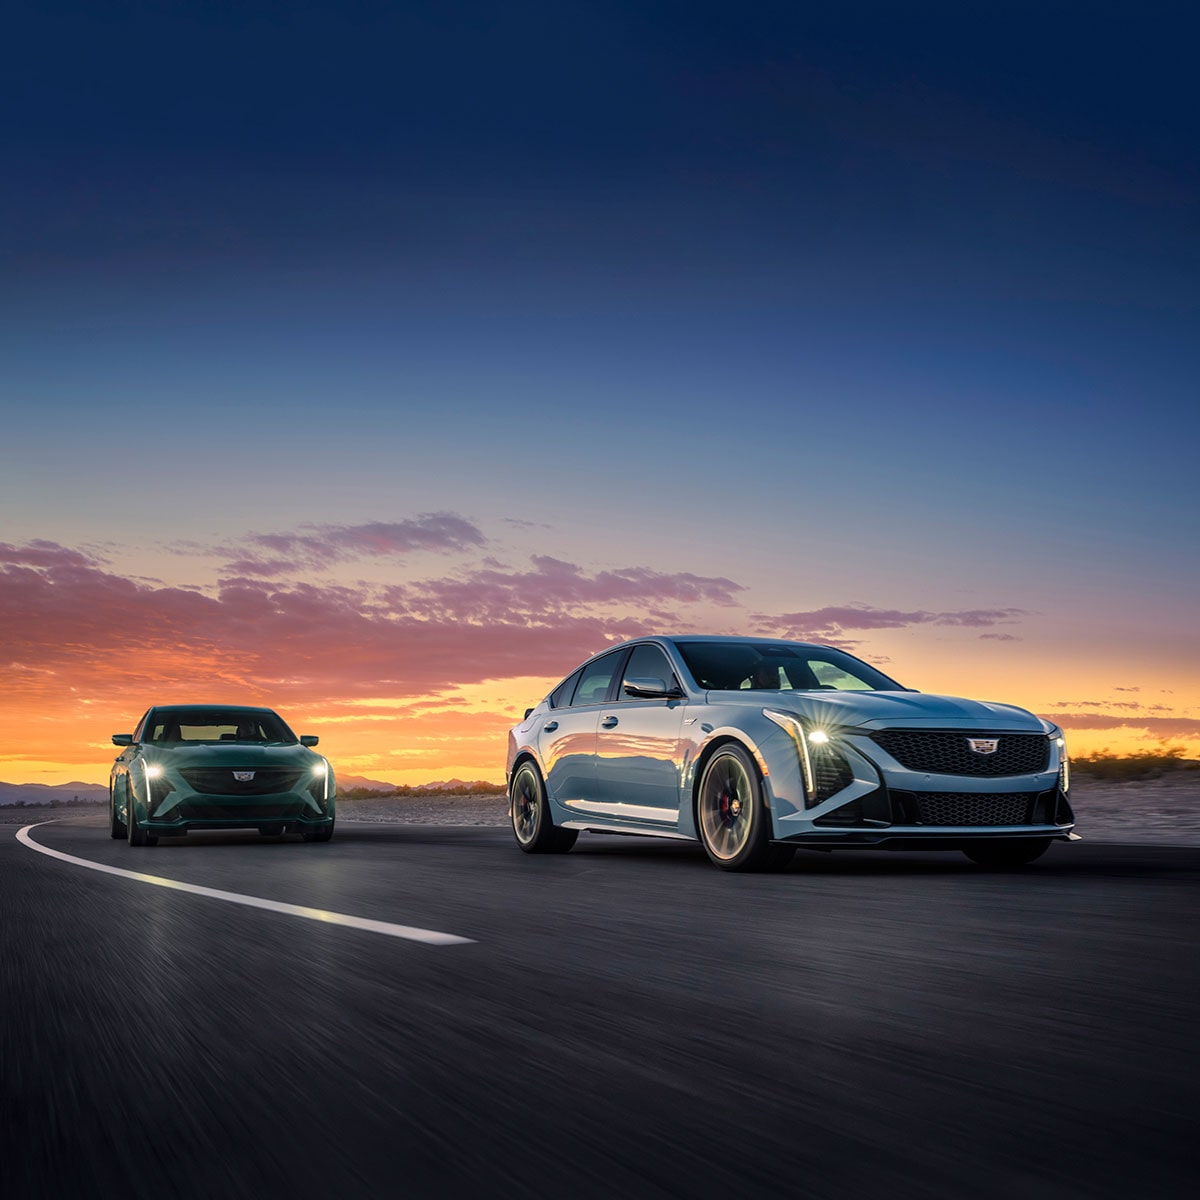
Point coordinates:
[(216, 725), (770, 667)]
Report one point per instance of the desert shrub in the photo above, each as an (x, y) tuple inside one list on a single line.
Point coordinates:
[(1150, 764)]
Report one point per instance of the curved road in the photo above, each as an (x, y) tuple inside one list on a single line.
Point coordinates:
[(624, 1021)]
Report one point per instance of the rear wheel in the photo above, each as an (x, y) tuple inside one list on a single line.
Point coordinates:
[(529, 811), (732, 817), (1010, 852)]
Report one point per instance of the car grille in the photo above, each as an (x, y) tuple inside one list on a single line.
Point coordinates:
[(267, 781), (972, 808), (237, 812), (941, 752)]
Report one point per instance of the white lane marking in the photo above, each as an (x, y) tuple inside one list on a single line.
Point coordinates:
[(431, 937)]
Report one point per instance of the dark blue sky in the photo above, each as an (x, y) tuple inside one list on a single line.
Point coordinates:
[(949, 246)]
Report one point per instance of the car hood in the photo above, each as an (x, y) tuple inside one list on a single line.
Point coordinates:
[(229, 754), (885, 709)]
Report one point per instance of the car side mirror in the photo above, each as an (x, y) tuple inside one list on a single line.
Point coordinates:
[(309, 740), (651, 688), (122, 739)]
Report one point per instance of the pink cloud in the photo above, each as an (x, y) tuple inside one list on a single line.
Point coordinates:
[(1162, 726), (71, 624), (315, 546), (39, 553), (557, 587), (828, 624)]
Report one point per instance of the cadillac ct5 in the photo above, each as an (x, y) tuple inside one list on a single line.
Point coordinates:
[(199, 766), (758, 747)]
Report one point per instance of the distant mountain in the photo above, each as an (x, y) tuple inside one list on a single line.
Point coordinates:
[(360, 781), (457, 785), (346, 782), (46, 793)]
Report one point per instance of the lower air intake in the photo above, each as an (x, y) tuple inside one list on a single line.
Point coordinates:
[(973, 808)]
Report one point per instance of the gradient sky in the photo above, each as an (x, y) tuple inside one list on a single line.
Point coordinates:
[(378, 362)]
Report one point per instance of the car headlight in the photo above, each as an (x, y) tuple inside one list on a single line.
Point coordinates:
[(794, 728), (321, 779), (1055, 734), (152, 772)]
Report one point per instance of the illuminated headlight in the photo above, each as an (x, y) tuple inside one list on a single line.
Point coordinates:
[(795, 730), (152, 772), (1064, 762), (818, 737), (319, 788)]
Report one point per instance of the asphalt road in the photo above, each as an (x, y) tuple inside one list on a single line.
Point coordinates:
[(627, 1021)]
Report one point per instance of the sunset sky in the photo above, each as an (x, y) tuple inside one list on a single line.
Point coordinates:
[(378, 362)]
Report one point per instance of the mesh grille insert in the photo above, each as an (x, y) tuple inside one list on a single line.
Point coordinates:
[(945, 752), (973, 808), (267, 781), (237, 812)]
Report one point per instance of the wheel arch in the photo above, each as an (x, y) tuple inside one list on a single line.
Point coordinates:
[(525, 755), (721, 738)]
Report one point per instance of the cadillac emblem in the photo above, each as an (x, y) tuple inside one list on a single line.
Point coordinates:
[(984, 745), (243, 776)]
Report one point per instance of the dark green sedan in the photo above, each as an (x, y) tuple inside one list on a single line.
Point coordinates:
[(199, 766)]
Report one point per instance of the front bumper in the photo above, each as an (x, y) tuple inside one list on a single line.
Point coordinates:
[(874, 800), (180, 812), (897, 818)]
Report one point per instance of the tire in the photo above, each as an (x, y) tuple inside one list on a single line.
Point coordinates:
[(779, 857), (322, 833), (529, 813), (1007, 852), (116, 828), (731, 814), (135, 832)]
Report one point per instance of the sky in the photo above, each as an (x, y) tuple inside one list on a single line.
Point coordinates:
[(380, 362)]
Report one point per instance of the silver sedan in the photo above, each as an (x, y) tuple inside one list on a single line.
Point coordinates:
[(756, 747)]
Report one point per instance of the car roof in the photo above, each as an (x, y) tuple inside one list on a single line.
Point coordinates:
[(226, 707), (713, 637)]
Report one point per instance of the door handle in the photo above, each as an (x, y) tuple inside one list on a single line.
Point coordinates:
[(608, 722), (550, 728)]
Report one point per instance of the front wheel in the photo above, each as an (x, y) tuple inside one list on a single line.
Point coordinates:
[(732, 816), (1007, 852), (136, 832), (116, 827), (322, 833), (529, 811)]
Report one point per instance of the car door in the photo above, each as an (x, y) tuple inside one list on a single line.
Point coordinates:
[(638, 749), (567, 739)]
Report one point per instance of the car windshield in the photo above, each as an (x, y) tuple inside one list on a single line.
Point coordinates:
[(770, 666), (216, 725)]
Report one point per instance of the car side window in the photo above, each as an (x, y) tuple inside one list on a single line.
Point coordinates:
[(140, 732), (647, 662), (594, 680), (561, 696)]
